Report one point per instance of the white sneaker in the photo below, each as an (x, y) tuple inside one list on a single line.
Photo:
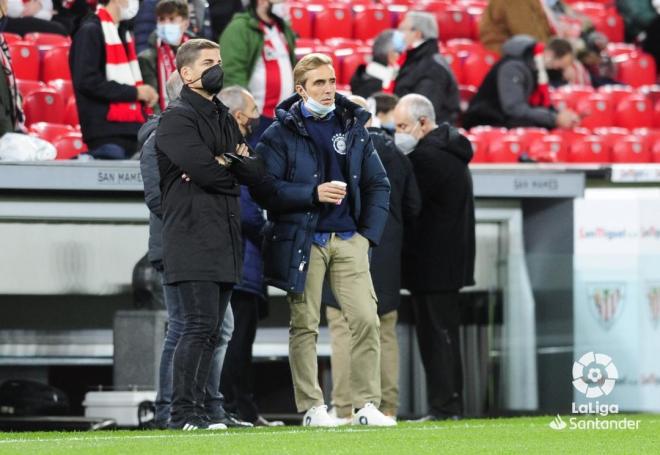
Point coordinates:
[(371, 416), (341, 421), (318, 417)]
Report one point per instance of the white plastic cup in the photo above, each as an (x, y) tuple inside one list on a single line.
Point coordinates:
[(340, 184)]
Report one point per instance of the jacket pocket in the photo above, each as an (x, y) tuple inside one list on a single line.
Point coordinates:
[(278, 250)]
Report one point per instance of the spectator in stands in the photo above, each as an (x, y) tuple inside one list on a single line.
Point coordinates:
[(11, 108), (249, 295), (425, 71), (32, 16), (562, 66), (173, 303), (381, 106), (637, 16), (595, 58), (562, 17), (379, 74), (108, 85), (158, 61), (146, 21), (201, 232), (258, 54), (70, 13), (322, 228), (405, 205), (515, 92), (503, 19), (440, 251)]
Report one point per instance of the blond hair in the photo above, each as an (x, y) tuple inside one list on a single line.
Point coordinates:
[(308, 63)]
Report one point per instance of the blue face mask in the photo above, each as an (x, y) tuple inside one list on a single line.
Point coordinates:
[(170, 33), (398, 42), (390, 127), (317, 108)]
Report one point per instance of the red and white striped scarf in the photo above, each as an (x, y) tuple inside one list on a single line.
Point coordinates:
[(166, 62), (541, 95), (121, 66), (6, 67)]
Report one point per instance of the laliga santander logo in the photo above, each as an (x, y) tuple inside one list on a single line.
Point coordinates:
[(594, 375)]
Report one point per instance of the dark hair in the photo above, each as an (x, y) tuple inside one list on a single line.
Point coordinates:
[(103, 2), (189, 51), (383, 45), (560, 47), (384, 102), (172, 8)]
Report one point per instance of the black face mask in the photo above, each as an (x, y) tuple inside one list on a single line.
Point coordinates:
[(555, 75), (251, 125), (212, 79)]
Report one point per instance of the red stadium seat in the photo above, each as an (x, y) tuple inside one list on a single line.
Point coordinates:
[(25, 87), (45, 105), (489, 133), (615, 49), (397, 12), (11, 37), (589, 149), (548, 149), (351, 63), (334, 21), (50, 131), (656, 115), (71, 113), (301, 20), (595, 110), (477, 65), (576, 93), (631, 149), (63, 87), (55, 64), (634, 111), (464, 47), (475, 13), (570, 136), (609, 24), (649, 136), (466, 92), (652, 92), (611, 136), (454, 22), (560, 100), (69, 146), (48, 39), (506, 149), (616, 93), (25, 60), (636, 69), (529, 135), (478, 148), (370, 20)]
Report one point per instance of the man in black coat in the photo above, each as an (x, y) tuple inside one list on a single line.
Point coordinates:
[(439, 255), (381, 72), (405, 205), (202, 251), (425, 71)]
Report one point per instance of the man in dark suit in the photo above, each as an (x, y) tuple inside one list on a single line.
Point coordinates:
[(439, 255)]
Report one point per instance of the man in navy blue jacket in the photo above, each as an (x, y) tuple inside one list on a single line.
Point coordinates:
[(327, 200)]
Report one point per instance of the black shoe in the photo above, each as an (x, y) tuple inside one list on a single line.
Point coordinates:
[(154, 425), (262, 422), (227, 419), (195, 423)]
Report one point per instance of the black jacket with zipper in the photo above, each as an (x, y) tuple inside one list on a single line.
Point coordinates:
[(427, 73), (201, 218)]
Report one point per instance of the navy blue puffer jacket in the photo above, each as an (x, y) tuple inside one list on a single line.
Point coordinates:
[(288, 194)]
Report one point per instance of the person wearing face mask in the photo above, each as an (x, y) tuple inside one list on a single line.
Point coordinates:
[(202, 248), (327, 200), (11, 105), (112, 100), (157, 62), (405, 205), (440, 249), (259, 54), (381, 106), (379, 74), (424, 70)]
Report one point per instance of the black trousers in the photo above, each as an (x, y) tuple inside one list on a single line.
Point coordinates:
[(237, 380), (204, 304), (437, 321)]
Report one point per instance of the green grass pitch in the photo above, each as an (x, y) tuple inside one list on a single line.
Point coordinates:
[(529, 435)]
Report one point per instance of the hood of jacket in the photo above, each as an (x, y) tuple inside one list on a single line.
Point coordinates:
[(146, 130), (289, 114), (519, 46), (447, 138)]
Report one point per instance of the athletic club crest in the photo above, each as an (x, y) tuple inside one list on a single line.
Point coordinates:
[(653, 296), (606, 302), (339, 143)]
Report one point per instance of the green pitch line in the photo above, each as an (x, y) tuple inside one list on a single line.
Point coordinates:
[(520, 435)]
